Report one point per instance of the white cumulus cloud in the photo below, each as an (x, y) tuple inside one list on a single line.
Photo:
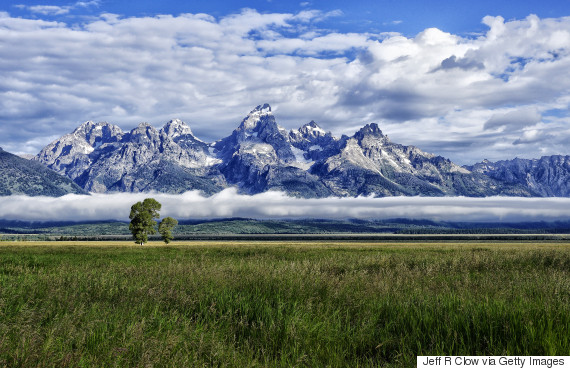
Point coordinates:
[(443, 92), (57, 10)]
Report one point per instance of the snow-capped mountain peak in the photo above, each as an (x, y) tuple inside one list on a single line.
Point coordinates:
[(71, 148), (263, 109), (176, 128), (252, 120), (311, 129)]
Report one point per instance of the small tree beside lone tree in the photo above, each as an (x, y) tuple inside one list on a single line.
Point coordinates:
[(165, 228), (143, 224)]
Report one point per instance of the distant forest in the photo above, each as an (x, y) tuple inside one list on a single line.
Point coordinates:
[(201, 229)]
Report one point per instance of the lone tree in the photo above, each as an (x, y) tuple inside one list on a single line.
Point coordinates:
[(165, 228), (142, 219)]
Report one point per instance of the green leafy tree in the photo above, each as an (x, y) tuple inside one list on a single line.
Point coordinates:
[(165, 228), (142, 219)]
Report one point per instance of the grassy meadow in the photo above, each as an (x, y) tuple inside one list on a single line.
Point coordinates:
[(279, 304)]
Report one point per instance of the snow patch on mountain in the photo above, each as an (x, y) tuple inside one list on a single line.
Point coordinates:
[(300, 160)]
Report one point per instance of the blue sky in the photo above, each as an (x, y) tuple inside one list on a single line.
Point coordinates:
[(466, 80), (406, 16)]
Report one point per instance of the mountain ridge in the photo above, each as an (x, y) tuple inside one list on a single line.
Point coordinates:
[(260, 155), (548, 176), (19, 176)]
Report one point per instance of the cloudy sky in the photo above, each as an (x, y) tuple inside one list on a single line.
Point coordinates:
[(466, 80)]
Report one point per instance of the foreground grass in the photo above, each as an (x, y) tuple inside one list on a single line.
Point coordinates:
[(279, 304)]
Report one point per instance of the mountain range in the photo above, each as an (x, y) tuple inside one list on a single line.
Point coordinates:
[(259, 155)]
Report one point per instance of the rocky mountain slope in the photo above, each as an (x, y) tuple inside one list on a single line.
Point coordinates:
[(368, 163), (548, 176), (21, 176), (100, 157), (259, 155)]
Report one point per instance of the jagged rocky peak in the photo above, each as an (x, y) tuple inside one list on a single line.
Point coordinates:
[(315, 141), (85, 128), (62, 152), (312, 129), (369, 129), (176, 128), (98, 133), (263, 109), (143, 128), (145, 134), (257, 115), (259, 128), (372, 134)]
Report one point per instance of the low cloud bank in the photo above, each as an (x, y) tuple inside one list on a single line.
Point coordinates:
[(277, 205)]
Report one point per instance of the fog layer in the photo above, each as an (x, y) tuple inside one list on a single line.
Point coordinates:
[(277, 205)]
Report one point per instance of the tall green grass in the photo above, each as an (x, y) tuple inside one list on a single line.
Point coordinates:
[(279, 304)]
